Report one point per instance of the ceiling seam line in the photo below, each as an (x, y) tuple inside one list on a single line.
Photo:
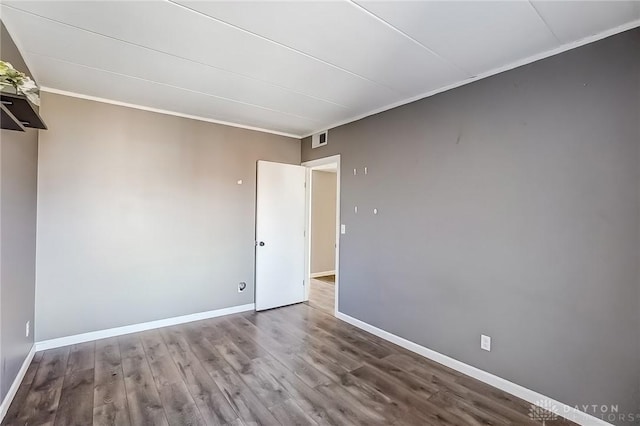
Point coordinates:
[(21, 48), (528, 60), (544, 21), (288, 89), (407, 36), (300, 52), (172, 86)]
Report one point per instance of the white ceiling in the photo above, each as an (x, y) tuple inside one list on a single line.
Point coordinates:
[(292, 67)]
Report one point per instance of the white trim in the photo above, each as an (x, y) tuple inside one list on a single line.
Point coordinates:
[(528, 395), (320, 164), (322, 274), (329, 168), (163, 111), (8, 399), (512, 65), (118, 331)]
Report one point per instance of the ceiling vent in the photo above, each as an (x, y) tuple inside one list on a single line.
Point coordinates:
[(319, 139)]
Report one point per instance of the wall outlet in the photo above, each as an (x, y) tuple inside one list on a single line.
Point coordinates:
[(485, 342), (241, 286), (27, 328)]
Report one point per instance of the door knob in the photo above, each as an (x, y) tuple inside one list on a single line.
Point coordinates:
[(261, 243)]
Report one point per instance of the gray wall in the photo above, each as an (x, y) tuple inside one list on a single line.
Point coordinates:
[(508, 207), (140, 216), (18, 178), (323, 221)]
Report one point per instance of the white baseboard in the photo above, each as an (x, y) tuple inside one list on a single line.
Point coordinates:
[(127, 329), (528, 395), (8, 399), (322, 274)]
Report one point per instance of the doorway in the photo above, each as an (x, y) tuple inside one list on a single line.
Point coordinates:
[(322, 236)]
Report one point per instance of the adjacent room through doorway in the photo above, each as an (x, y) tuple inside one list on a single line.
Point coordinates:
[(323, 210)]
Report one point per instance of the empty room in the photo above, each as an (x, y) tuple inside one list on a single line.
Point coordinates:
[(319, 212)]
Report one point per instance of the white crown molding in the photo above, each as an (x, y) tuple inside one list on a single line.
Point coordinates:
[(8, 399), (135, 328), (512, 65), (163, 111), (528, 395)]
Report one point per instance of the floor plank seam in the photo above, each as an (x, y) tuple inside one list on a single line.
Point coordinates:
[(146, 360), (126, 395), (292, 365), (193, 397)]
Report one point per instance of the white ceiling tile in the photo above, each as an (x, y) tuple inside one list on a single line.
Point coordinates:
[(339, 32), (44, 37), (476, 35), (574, 20), (92, 82), (172, 29), (292, 67)]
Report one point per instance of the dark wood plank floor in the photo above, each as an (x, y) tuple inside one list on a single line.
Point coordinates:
[(289, 366)]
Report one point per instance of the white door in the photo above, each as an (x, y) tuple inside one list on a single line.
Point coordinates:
[(280, 227)]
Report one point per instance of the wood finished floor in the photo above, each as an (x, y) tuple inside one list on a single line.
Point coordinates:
[(322, 295), (289, 366)]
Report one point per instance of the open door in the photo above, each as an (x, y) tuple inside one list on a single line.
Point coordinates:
[(280, 235)]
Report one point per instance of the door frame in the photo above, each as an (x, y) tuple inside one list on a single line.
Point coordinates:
[(320, 164)]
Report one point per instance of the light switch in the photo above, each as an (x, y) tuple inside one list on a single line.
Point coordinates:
[(355, 172), (485, 342), (375, 211), (240, 182), (343, 229), (355, 209)]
